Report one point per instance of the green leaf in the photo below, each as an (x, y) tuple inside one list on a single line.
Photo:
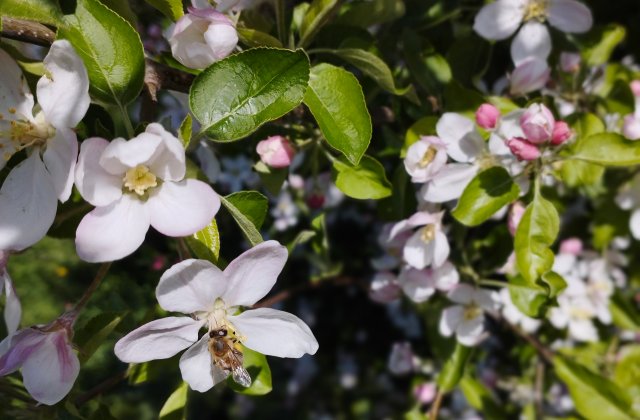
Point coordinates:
[(110, 49), (480, 398), (94, 332), (246, 224), (609, 149), (336, 101), (254, 38), (272, 178), (252, 204), (487, 193), (315, 17), (256, 364), (170, 8), (453, 369), (302, 237), (594, 396), (460, 99), (371, 65), (45, 11), (233, 97), (364, 181), (536, 232), (624, 314), (576, 173), (599, 44), (206, 243), (530, 298), (185, 131), (175, 408), (427, 66), (627, 371), (469, 58), (367, 13)]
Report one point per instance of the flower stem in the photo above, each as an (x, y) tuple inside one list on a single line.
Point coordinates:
[(102, 272), (435, 408)]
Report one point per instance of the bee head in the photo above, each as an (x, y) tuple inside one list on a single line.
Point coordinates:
[(222, 332)]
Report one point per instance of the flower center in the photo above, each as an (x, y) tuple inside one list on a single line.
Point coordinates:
[(23, 133), (471, 311), (536, 9), (139, 179), (580, 313), (428, 233), (428, 157)]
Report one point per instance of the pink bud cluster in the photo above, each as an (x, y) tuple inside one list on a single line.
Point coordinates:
[(540, 128)]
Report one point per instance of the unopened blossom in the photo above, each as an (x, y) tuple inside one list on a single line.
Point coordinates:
[(276, 151), (537, 123), (46, 357), (202, 37), (136, 184), (425, 158), (523, 149), (570, 62), (487, 116), (466, 319), (12, 307), (401, 359), (631, 127), (561, 133), (30, 193), (425, 392), (420, 285), (384, 287), (635, 87), (530, 75), (428, 245), (516, 211), (212, 298), (572, 246), (513, 315)]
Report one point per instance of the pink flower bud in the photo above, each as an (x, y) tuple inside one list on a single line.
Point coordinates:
[(202, 37), (532, 74), (571, 246), (315, 200), (515, 215), (561, 133), (537, 123), (523, 149), (635, 87), (276, 151), (631, 127), (570, 62), (487, 116), (425, 392)]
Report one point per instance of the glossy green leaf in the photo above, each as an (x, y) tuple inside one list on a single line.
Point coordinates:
[(469, 58), (627, 371), (429, 68), (45, 11), (233, 97), (454, 367), (205, 243), (599, 43), (609, 149), (175, 408), (254, 38), (170, 8), (365, 181), (624, 314), (530, 298), (256, 364), (248, 208), (480, 398), (301, 238), (336, 101), (487, 193), (94, 332), (575, 172), (111, 51), (594, 396), (315, 17)]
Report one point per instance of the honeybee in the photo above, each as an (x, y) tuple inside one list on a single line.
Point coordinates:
[(225, 355)]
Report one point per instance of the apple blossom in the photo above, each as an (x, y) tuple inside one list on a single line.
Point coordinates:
[(276, 151), (428, 245), (523, 149), (466, 320), (631, 127), (425, 158), (419, 285), (401, 359), (135, 184), (628, 198), (537, 123), (487, 116), (515, 216), (31, 190), (285, 212), (45, 355), (12, 307), (202, 37), (561, 133), (213, 298), (425, 392), (530, 75), (571, 246), (575, 313), (384, 287), (570, 62)]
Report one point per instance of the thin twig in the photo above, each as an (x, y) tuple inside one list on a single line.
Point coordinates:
[(546, 353), (539, 393), (102, 272), (435, 408), (101, 388)]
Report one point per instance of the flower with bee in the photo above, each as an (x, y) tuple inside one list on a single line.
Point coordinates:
[(213, 299)]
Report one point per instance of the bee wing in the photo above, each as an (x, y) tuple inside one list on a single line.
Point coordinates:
[(238, 372), (218, 374)]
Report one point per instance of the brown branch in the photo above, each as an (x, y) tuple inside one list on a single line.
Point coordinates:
[(546, 353), (27, 31)]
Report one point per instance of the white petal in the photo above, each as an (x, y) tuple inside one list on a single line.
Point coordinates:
[(159, 339), (634, 224), (14, 90), (462, 293), (190, 286), (16, 348), (28, 204), (459, 133), (446, 276), (60, 160), (531, 74), (112, 232), (469, 331), (120, 155), (12, 307), (487, 299), (96, 185), (570, 16), (418, 253), (197, 369), (254, 273), (49, 385), (170, 162), (451, 318), (533, 40), (440, 249), (182, 208), (63, 92), (498, 20), (583, 330), (275, 333), (510, 125), (418, 285), (449, 183)]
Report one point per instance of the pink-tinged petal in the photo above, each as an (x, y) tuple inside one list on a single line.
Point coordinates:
[(446, 276), (50, 385), (533, 40), (254, 273), (96, 185), (14, 90), (500, 19), (12, 307), (159, 339), (449, 183), (60, 160), (112, 232), (440, 249), (469, 331), (18, 347), (182, 208), (570, 16), (28, 204), (170, 162), (451, 318), (422, 218), (418, 253), (418, 285), (197, 368), (531, 74), (121, 155), (510, 126), (222, 38), (63, 91), (384, 287), (459, 133), (462, 294), (487, 299), (190, 286), (275, 333)]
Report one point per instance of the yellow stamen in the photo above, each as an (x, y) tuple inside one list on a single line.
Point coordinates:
[(428, 233), (471, 311), (139, 179), (536, 9), (428, 157)]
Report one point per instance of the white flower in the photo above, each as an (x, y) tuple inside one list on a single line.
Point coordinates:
[(45, 355), (428, 245), (513, 315), (628, 198), (401, 359), (530, 75), (12, 307), (135, 184), (419, 285), (425, 158), (466, 320), (285, 212), (236, 172), (576, 314), (384, 287), (29, 195), (213, 298)]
